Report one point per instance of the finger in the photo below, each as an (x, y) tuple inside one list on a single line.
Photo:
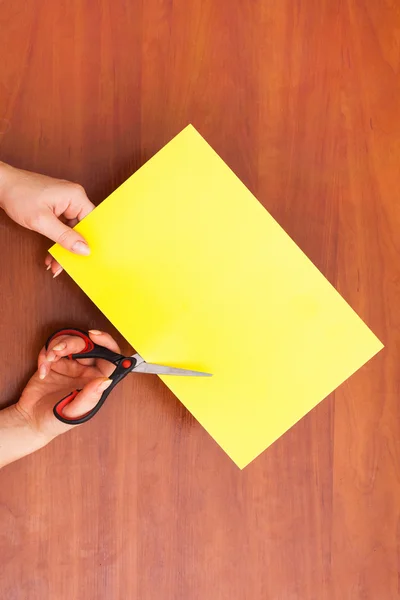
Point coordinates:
[(51, 263), (64, 345), (104, 339), (43, 365), (79, 204), (53, 266), (50, 226), (87, 399), (56, 269), (42, 356)]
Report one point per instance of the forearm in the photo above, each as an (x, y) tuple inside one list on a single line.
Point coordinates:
[(5, 171), (17, 437)]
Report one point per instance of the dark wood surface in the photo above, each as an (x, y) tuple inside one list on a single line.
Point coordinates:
[(302, 100)]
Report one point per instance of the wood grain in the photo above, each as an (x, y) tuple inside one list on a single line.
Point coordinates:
[(302, 101)]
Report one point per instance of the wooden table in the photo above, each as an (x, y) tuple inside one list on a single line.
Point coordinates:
[(301, 99)]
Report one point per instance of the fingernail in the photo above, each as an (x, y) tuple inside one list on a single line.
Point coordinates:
[(50, 356), (81, 248), (60, 346), (56, 274), (48, 267), (42, 371), (95, 332), (103, 385)]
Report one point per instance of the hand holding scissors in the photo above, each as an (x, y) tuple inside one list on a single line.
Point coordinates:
[(123, 366)]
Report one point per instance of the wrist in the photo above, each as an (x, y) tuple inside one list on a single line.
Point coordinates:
[(18, 437), (27, 423)]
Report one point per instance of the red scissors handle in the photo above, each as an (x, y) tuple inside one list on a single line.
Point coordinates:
[(124, 365)]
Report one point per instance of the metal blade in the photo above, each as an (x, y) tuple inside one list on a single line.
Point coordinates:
[(142, 366)]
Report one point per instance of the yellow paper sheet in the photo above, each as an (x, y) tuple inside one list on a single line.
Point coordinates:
[(195, 273)]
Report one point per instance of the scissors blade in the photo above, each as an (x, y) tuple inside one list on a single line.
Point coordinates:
[(142, 366)]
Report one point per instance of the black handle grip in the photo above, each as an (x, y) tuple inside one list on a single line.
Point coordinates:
[(120, 372), (61, 404)]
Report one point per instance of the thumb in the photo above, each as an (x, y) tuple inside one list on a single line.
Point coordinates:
[(86, 399), (50, 226)]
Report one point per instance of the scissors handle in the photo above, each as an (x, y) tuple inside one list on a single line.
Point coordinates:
[(91, 350), (124, 365)]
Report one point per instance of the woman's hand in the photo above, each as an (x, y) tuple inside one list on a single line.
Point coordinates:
[(46, 205), (57, 377), (30, 424)]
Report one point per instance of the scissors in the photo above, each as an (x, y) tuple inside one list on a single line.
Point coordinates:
[(123, 364)]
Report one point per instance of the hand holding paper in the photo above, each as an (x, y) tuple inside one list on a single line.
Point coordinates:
[(46, 205)]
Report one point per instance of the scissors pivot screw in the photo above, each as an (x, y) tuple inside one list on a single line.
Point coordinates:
[(126, 363)]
